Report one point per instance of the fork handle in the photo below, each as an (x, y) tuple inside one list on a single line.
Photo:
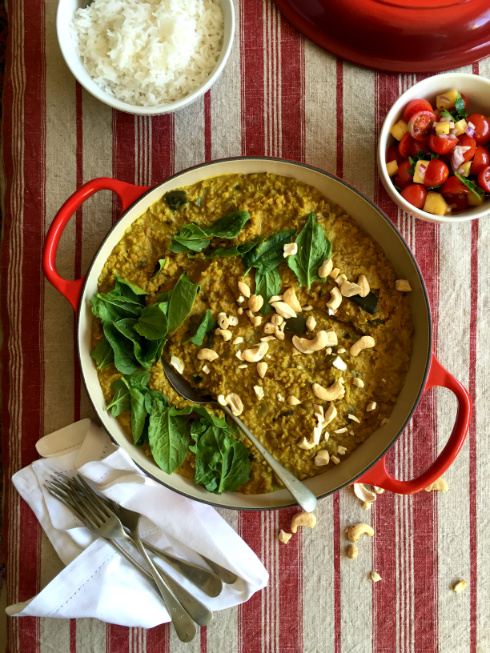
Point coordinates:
[(183, 624)]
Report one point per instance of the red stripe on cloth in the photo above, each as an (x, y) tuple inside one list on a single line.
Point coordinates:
[(204, 639), (207, 127), (250, 621), (292, 92), (123, 154), (290, 587), (252, 76), (78, 247), (158, 639), (117, 639), (163, 148), (473, 535)]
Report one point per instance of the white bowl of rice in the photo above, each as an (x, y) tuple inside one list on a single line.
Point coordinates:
[(146, 57)]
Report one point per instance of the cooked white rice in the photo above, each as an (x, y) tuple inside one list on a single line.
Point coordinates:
[(149, 52)]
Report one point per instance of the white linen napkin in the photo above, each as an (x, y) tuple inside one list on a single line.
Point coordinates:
[(97, 581)]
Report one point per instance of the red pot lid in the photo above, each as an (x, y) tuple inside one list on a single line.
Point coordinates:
[(406, 36)]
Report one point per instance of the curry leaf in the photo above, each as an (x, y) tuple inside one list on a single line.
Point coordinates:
[(267, 285), (192, 238), (103, 354), (229, 226), (313, 249), (181, 301), (207, 324), (175, 199), (152, 323)]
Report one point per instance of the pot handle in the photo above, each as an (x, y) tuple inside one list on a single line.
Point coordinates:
[(128, 193), (378, 474)]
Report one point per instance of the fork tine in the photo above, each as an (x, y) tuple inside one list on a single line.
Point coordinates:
[(77, 499), (74, 507), (94, 498)]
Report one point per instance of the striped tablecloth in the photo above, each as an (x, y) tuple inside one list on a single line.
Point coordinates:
[(282, 96)]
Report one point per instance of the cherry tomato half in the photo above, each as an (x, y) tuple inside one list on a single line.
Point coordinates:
[(454, 187), (403, 177), (442, 145), (420, 124), (418, 146), (465, 101), (415, 194), (414, 106), (482, 128), (467, 141), (436, 173), (480, 160), (484, 179), (404, 145), (393, 154)]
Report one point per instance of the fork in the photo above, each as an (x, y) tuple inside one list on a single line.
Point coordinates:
[(104, 523)]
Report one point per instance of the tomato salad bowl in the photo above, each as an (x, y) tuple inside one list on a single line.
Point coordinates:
[(367, 463)]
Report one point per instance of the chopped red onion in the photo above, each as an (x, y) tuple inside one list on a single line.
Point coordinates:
[(422, 169), (457, 156), (470, 129)]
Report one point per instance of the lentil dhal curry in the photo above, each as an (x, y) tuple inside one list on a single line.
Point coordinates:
[(264, 294)]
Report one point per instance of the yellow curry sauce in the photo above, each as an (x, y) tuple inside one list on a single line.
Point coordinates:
[(375, 376)]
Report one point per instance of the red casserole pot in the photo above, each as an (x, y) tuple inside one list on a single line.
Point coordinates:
[(367, 463)]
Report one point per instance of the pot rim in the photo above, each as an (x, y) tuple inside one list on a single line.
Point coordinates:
[(397, 233)]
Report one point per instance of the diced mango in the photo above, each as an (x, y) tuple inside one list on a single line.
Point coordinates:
[(399, 129), (436, 204), (473, 200), (392, 168), (442, 128), (460, 127), (417, 177), (447, 100), (464, 170)]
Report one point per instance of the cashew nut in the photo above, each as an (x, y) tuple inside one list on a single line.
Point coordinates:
[(261, 369), (224, 333), (402, 285), (238, 340), (223, 321), (322, 458), (459, 586), (366, 342), (330, 415), (256, 354), (335, 299), (233, 320), (302, 519), (235, 403), (355, 531), (374, 576), (244, 288), (207, 355), (333, 392), (259, 391), (371, 406), (334, 273), (440, 486), (284, 537), (325, 269), (359, 383), (362, 493), (349, 289), (352, 551), (292, 400), (277, 320), (177, 364), (320, 341), (269, 328), (340, 279), (284, 310), (363, 283), (255, 303), (339, 364), (292, 300), (310, 323), (290, 249)]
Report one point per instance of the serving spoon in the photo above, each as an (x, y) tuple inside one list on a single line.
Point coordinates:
[(304, 497)]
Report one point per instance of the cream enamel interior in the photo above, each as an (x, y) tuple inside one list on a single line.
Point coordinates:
[(373, 222)]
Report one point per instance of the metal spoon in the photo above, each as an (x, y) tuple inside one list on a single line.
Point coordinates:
[(305, 497)]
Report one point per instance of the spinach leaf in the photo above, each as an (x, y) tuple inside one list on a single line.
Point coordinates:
[(181, 301), (476, 190), (138, 415), (120, 400), (267, 253), (267, 285), (313, 249), (168, 435), (192, 238), (103, 354), (110, 308), (128, 289), (138, 379), (158, 267), (229, 226), (234, 250), (207, 324), (175, 199), (123, 349), (222, 463), (152, 323)]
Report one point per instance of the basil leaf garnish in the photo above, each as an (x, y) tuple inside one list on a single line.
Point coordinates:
[(181, 301), (207, 324), (192, 238), (268, 253), (229, 226), (267, 285), (313, 249)]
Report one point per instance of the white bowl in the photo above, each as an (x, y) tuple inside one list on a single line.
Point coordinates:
[(477, 91), (66, 10)]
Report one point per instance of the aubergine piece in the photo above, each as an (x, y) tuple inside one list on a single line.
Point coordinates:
[(175, 199), (368, 303), (296, 324)]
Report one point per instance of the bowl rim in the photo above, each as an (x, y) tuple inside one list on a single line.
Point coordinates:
[(396, 232), (70, 55), (383, 139)]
